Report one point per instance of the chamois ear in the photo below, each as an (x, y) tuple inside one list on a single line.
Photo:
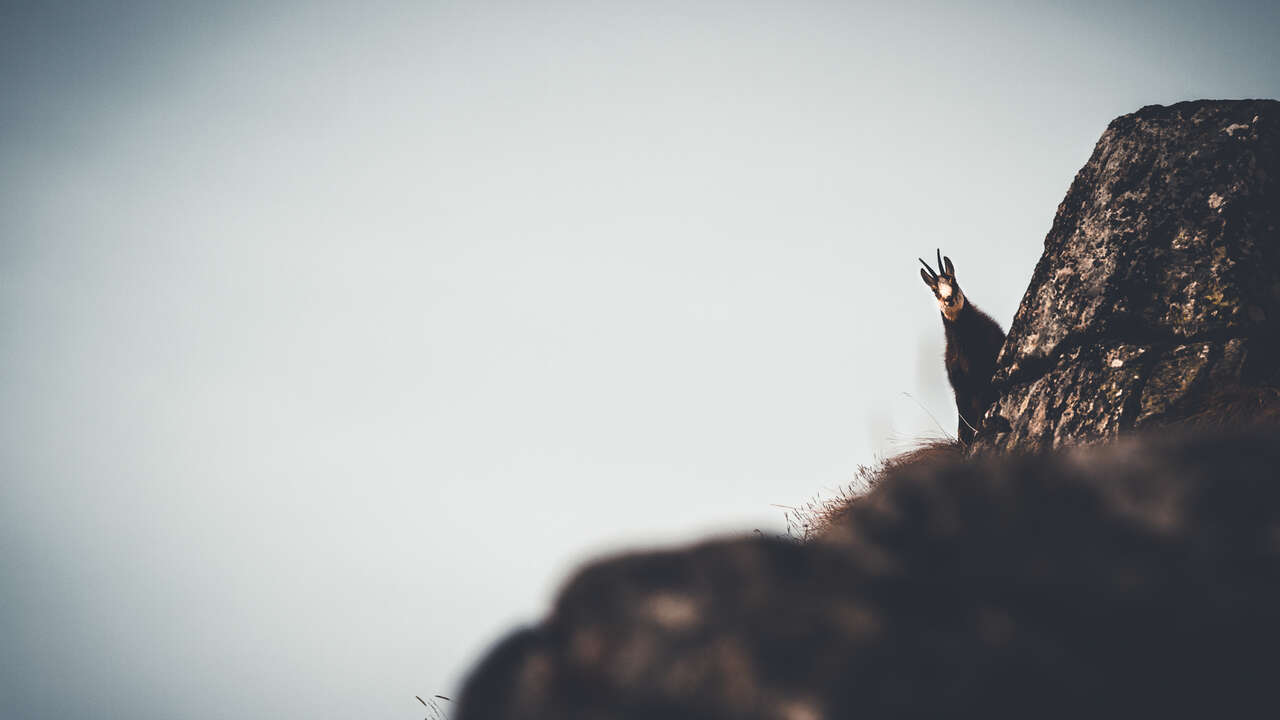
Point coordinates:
[(928, 280), (946, 261)]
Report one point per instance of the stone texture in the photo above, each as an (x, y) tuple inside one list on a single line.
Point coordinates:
[(1165, 250), (1136, 579)]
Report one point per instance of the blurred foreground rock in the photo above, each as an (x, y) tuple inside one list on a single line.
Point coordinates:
[(1137, 579)]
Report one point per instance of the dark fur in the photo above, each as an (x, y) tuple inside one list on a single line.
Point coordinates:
[(973, 342)]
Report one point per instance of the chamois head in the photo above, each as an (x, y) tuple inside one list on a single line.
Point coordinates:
[(944, 286)]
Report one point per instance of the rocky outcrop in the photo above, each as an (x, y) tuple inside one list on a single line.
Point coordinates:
[(1159, 288), (1136, 578)]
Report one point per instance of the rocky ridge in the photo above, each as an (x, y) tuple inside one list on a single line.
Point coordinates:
[(1136, 577), (1159, 287)]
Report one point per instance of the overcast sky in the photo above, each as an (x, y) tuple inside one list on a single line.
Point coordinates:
[(333, 337)]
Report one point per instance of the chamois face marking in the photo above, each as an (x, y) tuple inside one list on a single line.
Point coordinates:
[(944, 286)]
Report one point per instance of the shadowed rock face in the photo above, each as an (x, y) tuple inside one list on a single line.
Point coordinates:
[(1136, 579), (1159, 287)]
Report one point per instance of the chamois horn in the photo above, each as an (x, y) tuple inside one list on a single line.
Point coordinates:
[(933, 275)]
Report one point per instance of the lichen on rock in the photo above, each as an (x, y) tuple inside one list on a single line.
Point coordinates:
[(1168, 244)]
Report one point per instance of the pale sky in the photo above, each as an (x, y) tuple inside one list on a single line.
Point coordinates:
[(333, 337)]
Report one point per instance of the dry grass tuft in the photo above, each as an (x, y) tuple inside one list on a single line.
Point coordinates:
[(811, 520), (1236, 407)]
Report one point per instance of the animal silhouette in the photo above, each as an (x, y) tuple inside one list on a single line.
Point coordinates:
[(973, 341)]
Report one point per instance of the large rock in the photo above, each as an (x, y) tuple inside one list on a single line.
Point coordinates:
[(1130, 580), (1137, 578), (1159, 287)]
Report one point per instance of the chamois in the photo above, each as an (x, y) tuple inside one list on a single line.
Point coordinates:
[(973, 341)]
